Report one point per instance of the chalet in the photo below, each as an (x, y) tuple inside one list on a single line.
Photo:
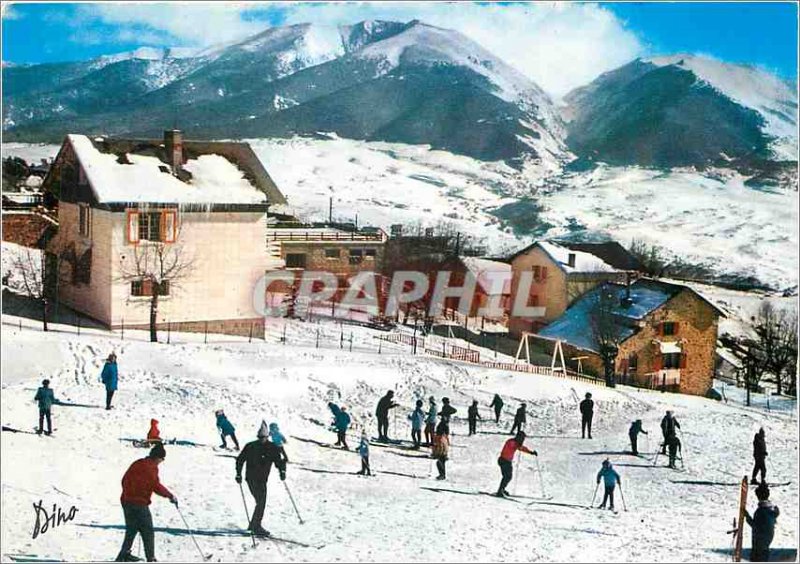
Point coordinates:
[(203, 203), (561, 272), (666, 334), (492, 284)]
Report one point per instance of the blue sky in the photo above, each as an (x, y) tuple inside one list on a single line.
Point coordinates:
[(559, 45)]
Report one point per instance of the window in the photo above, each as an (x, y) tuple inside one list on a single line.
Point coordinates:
[(332, 253), (536, 272), (671, 360), (369, 253), (633, 364), (85, 220), (295, 260), (145, 287), (150, 226), (669, 328), (356, 256)]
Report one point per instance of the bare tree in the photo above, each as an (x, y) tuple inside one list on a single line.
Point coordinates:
[(606, 328), (651, 257), (29, 268), (160, 268), (777, 339)]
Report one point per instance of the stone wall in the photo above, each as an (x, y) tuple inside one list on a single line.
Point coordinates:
[(26, 228)]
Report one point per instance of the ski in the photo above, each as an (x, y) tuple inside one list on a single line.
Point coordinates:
[(737, 549), (283, 540)]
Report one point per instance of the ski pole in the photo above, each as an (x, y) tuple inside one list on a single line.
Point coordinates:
[(622, 495), (594, 495), (247, 514), (285, 485), (191, 534), (516, 471)]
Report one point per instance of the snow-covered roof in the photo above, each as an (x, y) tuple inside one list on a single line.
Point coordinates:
[(215, 179), (493, 276), (584, 262)]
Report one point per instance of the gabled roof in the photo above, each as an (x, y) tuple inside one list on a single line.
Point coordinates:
[(610, 252), (493, 276), (585, 262), (647, 295), (137, 171)]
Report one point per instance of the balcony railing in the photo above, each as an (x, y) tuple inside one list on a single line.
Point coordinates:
[(311, 235)]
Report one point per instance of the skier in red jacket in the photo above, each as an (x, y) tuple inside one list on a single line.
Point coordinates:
[(138, 484), (154, 435), (506, 460)]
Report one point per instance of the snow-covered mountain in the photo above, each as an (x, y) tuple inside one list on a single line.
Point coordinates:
[(376, 80), (684, 110)]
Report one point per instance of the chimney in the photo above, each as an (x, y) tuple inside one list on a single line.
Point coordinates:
[(571, 260), (173, 145)]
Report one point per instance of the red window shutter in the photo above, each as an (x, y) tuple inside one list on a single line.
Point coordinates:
[(536, 272), (147, 287), (133, 227), (544, 273), (168, 225), (657, 362), (624, 365), (683, 360), (660, 329), (676, 328)]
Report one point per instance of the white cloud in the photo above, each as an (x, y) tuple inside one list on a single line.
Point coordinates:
[(559, 46), (9, 13)]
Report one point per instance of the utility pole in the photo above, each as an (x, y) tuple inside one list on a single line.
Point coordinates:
[(330, 207)]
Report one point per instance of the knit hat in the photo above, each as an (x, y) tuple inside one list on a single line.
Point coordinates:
[(273, 427), (263, 431), (45, 382), (158, 451), (219, 412)]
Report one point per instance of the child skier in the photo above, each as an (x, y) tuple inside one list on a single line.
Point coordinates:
[(430, 421), (153, 435), (610, 480), (277, 438), (763, 524), (633, 432), (441, 448), (226, 429), (417, 418), (45, 397), (506, 460), (363, 451), (473, 416)]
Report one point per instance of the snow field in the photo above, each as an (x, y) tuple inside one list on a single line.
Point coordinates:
[(388, 518)]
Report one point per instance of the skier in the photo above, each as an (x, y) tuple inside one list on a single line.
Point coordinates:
[(45, 397), (154, 435), (473, 416), (363, 451), (674, 444), (668, 426), (763, 524), (519, 419), (277, 439), (759, 454), (259, 456), (417, 418), (610, 480), (441, 447), (138, 485), (587, 412), (341, 421), (226, 429), (446, 412), (382, 412), (109, 377), (430, 421), (633, 432), (497, 404), (506, 460)]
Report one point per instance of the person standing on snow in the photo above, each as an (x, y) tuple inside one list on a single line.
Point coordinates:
[(441, 448), (520, 419), (506, 460), (259, 456), (668, 426), (760, 455), (447, 412), (587, 412), (277, 439), (473, 416), (138, 485), (497, 404), (633, 433), (763, 524), (153, 434), (430, 421), (363, 451), (382, 413), (674, 444), (226, 429), (341, 421), (109, 377), (417, 418), (610, 481), (45, 398)]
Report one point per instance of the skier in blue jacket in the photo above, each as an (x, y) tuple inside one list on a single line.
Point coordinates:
[(417, 418), (363, 451), (341, 422), (430, 421), (45, 398), (610, 480), (225, 429), (277, 438), (109, 377)]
